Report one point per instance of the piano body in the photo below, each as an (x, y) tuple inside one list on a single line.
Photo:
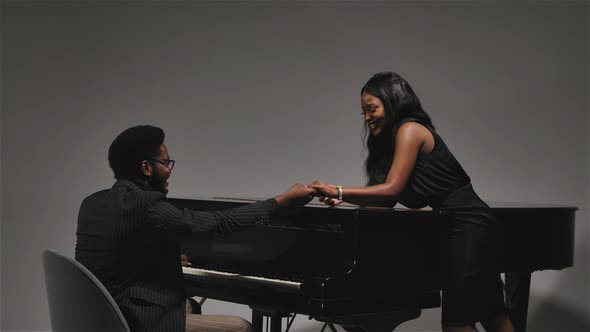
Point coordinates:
[(367, 268)]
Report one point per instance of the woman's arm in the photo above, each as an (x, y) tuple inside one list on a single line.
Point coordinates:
[(412, 138)]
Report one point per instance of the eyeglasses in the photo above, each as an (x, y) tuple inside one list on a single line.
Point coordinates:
[(166, 162)]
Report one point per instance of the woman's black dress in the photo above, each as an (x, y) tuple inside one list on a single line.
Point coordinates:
[(474, 291)]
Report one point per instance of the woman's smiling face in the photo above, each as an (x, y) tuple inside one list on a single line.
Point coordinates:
[(373, 112)]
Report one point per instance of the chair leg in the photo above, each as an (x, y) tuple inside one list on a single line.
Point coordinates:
[(195, 307), (290, 321), (330, 326)]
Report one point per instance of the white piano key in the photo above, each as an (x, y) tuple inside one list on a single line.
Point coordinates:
[(279, 283)]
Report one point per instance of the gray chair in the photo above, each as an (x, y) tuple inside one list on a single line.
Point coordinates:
[(78, 302)]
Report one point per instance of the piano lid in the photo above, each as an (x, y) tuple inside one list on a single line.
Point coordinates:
[(347, 206)]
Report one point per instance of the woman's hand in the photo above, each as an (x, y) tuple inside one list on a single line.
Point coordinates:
[(327, 193), (330, 201)]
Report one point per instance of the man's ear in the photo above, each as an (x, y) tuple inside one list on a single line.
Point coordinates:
[(146, 168)]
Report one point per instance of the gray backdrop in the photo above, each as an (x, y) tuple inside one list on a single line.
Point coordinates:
[(255, 97)]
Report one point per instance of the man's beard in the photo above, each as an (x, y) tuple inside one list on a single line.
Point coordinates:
[(158, 183)]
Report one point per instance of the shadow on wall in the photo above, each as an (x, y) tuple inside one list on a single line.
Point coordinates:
[(552, 315)]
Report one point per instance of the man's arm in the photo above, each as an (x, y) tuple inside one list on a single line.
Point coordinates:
[(167, 217)]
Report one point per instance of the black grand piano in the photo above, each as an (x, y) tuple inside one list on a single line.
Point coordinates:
[(364, 268)]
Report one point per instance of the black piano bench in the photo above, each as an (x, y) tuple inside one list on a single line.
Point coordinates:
[(275, 317)]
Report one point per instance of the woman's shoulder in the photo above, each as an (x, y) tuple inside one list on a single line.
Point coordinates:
[(412, 128), (415, 133)]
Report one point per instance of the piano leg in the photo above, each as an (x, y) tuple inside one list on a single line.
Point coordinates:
[(256, 321), (275, 322), (276, 318), (517, 287)]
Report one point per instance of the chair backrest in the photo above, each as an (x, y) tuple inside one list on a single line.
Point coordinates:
[(78, 301)]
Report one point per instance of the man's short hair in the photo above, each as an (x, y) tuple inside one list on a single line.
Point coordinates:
[(133, 146)]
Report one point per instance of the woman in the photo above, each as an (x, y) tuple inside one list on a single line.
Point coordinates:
[(409, 163)]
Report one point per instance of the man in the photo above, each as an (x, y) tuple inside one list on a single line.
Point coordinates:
[(128, 235)]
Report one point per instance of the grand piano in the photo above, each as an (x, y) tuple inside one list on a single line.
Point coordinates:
[(367, 269)]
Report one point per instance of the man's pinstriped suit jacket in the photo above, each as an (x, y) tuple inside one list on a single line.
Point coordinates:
[(128, 236)]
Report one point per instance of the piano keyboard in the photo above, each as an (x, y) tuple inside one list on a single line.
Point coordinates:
[(277, 283)]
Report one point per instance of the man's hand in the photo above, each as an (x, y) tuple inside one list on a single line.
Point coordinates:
[(184, 260), (327, 192), (299, 194)]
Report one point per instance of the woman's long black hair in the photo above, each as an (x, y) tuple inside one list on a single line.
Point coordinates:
[(399, 102)]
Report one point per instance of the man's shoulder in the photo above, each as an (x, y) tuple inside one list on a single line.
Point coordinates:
[(99, 195), (125, 193), (129, 194)]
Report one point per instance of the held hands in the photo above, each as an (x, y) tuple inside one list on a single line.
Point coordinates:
[(327, 193), (299, 194)]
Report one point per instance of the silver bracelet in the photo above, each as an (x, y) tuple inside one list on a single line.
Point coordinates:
[(340, 192)]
